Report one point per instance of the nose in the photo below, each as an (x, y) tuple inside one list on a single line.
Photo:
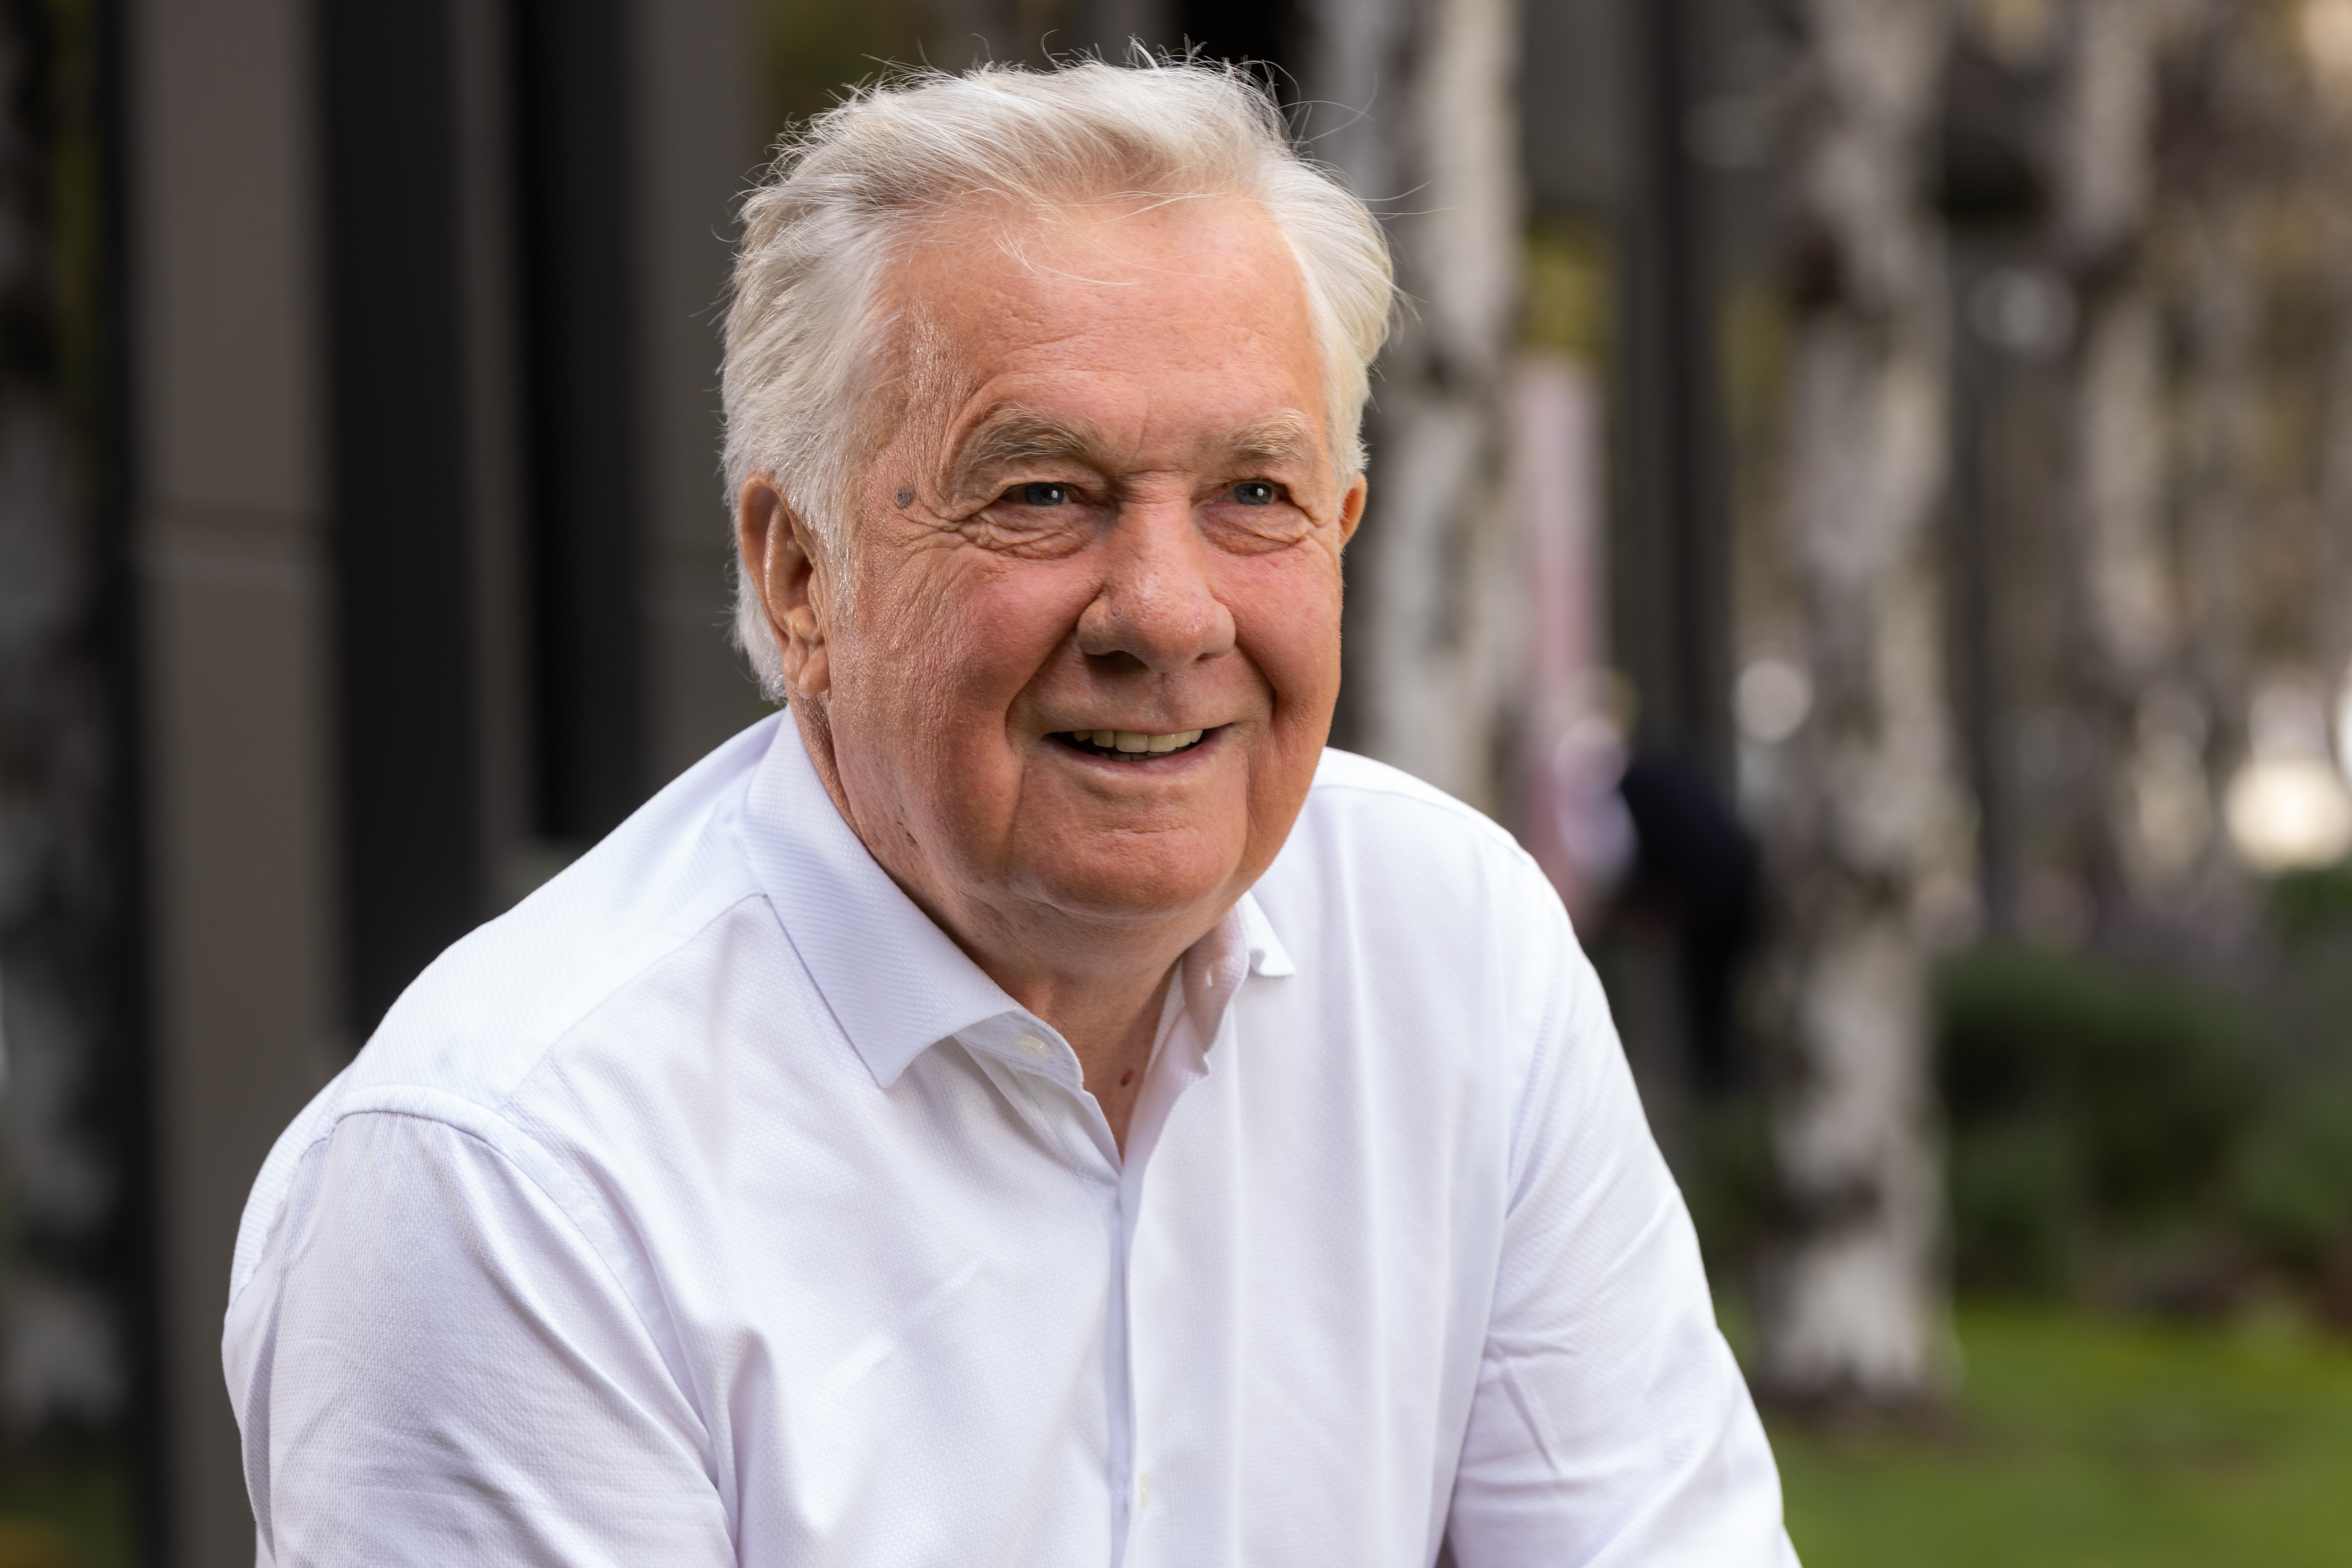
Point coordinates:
[(1157, 602)]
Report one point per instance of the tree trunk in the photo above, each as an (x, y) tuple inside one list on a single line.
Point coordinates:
[(1421, 120), (2225, 313), (2130, 837), (2332, 613), (1852, 1307)]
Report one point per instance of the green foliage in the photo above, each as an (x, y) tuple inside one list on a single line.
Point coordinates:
[(2308, 904), (2088, 1102), (2080, 1442), (1722, 1155), (2015, 1196), (2292, 1187), (2110, 1125)]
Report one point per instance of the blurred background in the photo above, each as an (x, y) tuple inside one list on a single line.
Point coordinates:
[(1864, 491)]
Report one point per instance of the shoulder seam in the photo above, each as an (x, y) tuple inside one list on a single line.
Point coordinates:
[(664, 1342), (568, 1016)]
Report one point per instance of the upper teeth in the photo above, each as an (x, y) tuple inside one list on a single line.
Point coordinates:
[(1136, 741)]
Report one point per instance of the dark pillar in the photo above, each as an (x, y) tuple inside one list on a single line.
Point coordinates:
[(583, 492), (402, 494), (1673, 563)]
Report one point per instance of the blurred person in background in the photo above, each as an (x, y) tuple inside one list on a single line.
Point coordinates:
[(1695, 871), (1030, 1102)]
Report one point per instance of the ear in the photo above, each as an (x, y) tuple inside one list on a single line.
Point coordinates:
[(1352, 508), (782, 560)]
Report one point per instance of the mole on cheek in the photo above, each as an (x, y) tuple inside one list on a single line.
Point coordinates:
[(906, 497)]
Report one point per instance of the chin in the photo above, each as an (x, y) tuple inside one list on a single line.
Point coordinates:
[(1118, 886)]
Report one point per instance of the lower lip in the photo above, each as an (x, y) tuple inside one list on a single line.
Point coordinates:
[(1140, 761)]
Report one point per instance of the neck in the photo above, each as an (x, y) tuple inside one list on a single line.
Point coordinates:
[(1101, 985), (1111, 1027), (1102, 989)]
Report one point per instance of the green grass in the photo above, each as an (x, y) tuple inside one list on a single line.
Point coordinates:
[(2088, 1444)]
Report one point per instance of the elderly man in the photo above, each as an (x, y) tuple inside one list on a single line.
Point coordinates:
[(1031, 1104)]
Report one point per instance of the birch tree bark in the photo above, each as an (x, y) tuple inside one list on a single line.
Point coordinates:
[(2122, 616), (2327, 49), (2237, 150), (2332, 615), (1852, 1306), (2224, 315), (1418, 115)]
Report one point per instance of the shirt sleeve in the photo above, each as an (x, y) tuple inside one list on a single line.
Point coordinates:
[(432, 1366), (1611, 1425)]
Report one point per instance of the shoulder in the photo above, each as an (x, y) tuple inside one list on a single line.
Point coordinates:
[(1356, 794), (487, 1014), (480, 1017), (1435, 916), (1369, 820), (1382, 869)]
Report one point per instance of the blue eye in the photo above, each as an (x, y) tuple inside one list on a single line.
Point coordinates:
[(1254, 493), (1044, 495)]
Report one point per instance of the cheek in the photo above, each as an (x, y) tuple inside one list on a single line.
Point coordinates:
[(938, 653), (1287, 620), (1011, 619)]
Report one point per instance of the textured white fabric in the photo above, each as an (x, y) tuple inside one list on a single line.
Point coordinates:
[(711, 1206)]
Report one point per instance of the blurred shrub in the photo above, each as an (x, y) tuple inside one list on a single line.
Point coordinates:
[(2015, 1195), (2292, 1187), (2090, 1105), (2308, 904), (2111, 1125), (1721, 1150)]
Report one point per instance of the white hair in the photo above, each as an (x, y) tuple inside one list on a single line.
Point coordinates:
[(849, 190)]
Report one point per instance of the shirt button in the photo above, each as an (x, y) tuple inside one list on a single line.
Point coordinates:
[(1034, 1048)]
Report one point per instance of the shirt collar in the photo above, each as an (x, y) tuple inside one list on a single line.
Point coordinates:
[(895, 981), (896, 984), (1267, 956)]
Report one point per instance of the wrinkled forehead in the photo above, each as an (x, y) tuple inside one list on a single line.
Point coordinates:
[(1177, 292)]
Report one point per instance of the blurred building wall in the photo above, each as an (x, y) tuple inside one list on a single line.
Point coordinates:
[(344, 496), (234, 562)]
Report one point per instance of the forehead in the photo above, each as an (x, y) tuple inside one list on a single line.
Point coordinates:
[(1172, 312)]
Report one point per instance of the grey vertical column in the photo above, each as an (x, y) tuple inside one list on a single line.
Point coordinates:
[(698, 141), (230, 540)]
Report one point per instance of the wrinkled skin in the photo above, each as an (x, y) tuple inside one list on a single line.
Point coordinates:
[(1103, 498)]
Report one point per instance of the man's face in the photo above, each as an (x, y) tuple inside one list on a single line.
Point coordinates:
[(1085, 660)]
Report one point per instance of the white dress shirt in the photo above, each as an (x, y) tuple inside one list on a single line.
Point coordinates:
[(712, 1207)]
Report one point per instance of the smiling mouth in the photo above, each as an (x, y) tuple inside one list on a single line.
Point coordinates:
[(1128, 745)]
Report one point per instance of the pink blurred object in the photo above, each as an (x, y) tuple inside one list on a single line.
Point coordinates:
[(1571, 746)]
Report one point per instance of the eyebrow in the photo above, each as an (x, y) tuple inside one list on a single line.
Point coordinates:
[(1016, 436), (1277, 438)]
